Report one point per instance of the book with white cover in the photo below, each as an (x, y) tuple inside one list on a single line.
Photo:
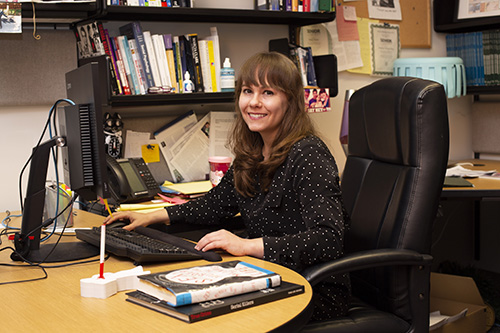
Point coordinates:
[(161, 57), (152, 58)]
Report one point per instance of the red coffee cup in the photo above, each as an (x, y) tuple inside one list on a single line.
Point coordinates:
[(218, 168)]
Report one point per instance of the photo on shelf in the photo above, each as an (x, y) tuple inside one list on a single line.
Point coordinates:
[(10, 17), (317, 99)]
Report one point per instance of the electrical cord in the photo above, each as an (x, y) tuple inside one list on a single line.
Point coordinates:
[(28, 263), (42, 267)]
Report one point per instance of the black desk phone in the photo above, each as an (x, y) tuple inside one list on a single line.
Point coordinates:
[(130, 180)]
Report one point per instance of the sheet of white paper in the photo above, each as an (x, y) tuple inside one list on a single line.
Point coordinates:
[(170, 135), (348, 52), (317, 38), (384, 10), (221, 124), (133, 143), (460, 171), (190, 153)]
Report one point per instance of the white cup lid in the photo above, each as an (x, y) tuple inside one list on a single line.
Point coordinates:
[(219, 159)]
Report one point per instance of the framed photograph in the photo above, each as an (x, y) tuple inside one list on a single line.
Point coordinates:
[(317, 99), (10, 17), (477, 8)]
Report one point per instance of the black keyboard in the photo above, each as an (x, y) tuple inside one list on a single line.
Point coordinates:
[(138, 247)]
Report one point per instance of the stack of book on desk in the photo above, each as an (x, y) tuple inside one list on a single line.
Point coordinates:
[(202, 292)]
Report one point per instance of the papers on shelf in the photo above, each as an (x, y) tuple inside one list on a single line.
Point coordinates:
[(460, 171), (186, 143)]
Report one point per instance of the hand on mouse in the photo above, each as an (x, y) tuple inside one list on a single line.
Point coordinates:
[(138, 219)]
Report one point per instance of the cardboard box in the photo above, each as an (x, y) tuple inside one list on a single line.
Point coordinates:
[(451, 294)]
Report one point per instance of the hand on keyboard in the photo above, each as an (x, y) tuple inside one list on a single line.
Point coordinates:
[(145, 245)]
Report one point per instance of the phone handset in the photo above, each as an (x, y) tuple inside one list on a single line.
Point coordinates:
[(120, 187)]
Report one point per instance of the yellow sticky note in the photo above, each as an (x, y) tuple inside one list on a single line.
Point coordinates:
[(151, 153)]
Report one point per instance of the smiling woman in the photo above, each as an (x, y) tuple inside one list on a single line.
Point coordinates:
[(284, 182), (263, 109)]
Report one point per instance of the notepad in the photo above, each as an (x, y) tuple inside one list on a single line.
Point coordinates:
[(456, 182), (189, 188)]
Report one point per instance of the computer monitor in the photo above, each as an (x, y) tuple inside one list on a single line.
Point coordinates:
[(82, 144)]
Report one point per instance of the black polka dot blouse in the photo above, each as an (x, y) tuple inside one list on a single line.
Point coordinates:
[(301, 218)]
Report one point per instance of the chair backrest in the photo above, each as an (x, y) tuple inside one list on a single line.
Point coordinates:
[(392, 180)]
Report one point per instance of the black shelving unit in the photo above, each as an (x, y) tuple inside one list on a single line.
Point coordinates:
[(171, 99), (54, 13), (446, 21), (99, 10), (482, 90), (124, 13)]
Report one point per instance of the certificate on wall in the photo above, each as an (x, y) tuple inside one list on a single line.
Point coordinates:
[(385, 47)]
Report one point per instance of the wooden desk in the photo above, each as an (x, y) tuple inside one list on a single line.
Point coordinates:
[(482, 188), (55, 305)]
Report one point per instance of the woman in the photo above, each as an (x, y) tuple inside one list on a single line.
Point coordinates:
[(284, 183)]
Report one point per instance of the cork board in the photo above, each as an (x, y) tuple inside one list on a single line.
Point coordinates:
[(415, 27), (485, 124), (33, 71)]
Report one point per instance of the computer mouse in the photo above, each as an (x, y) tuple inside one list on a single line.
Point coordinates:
[(118, 224)]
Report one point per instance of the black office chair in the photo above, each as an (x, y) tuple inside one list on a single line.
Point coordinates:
[(392, 180)]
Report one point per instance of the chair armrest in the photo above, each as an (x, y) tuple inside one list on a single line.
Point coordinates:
[(363, 260)]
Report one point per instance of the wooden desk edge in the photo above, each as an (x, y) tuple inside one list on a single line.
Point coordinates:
[(64, 287)]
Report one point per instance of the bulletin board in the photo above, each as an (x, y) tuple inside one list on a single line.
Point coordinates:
[(415, 27), (38, 77)]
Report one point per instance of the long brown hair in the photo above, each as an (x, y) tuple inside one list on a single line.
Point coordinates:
[(278, 72)]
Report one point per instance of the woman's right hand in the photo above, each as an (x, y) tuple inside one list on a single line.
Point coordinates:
[(138, 219)]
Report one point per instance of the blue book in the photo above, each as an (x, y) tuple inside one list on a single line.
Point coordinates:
[(183, 48), (314, 5), (311, 72), (133, 30), (123, 41)]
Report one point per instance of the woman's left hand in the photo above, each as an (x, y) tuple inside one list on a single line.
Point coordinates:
[(229, 242)]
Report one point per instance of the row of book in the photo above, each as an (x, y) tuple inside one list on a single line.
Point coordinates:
[(296, 5), (480, 52), (203, 292), (142, 62)]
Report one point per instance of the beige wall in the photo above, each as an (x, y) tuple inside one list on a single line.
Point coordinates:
[(40, 74)]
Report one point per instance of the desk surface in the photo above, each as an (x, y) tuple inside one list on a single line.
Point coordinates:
[(55, 305), (482, 187)]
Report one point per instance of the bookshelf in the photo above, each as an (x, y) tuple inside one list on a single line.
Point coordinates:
[(446, 21), (73, 13), (57, 13), (109, 13)]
